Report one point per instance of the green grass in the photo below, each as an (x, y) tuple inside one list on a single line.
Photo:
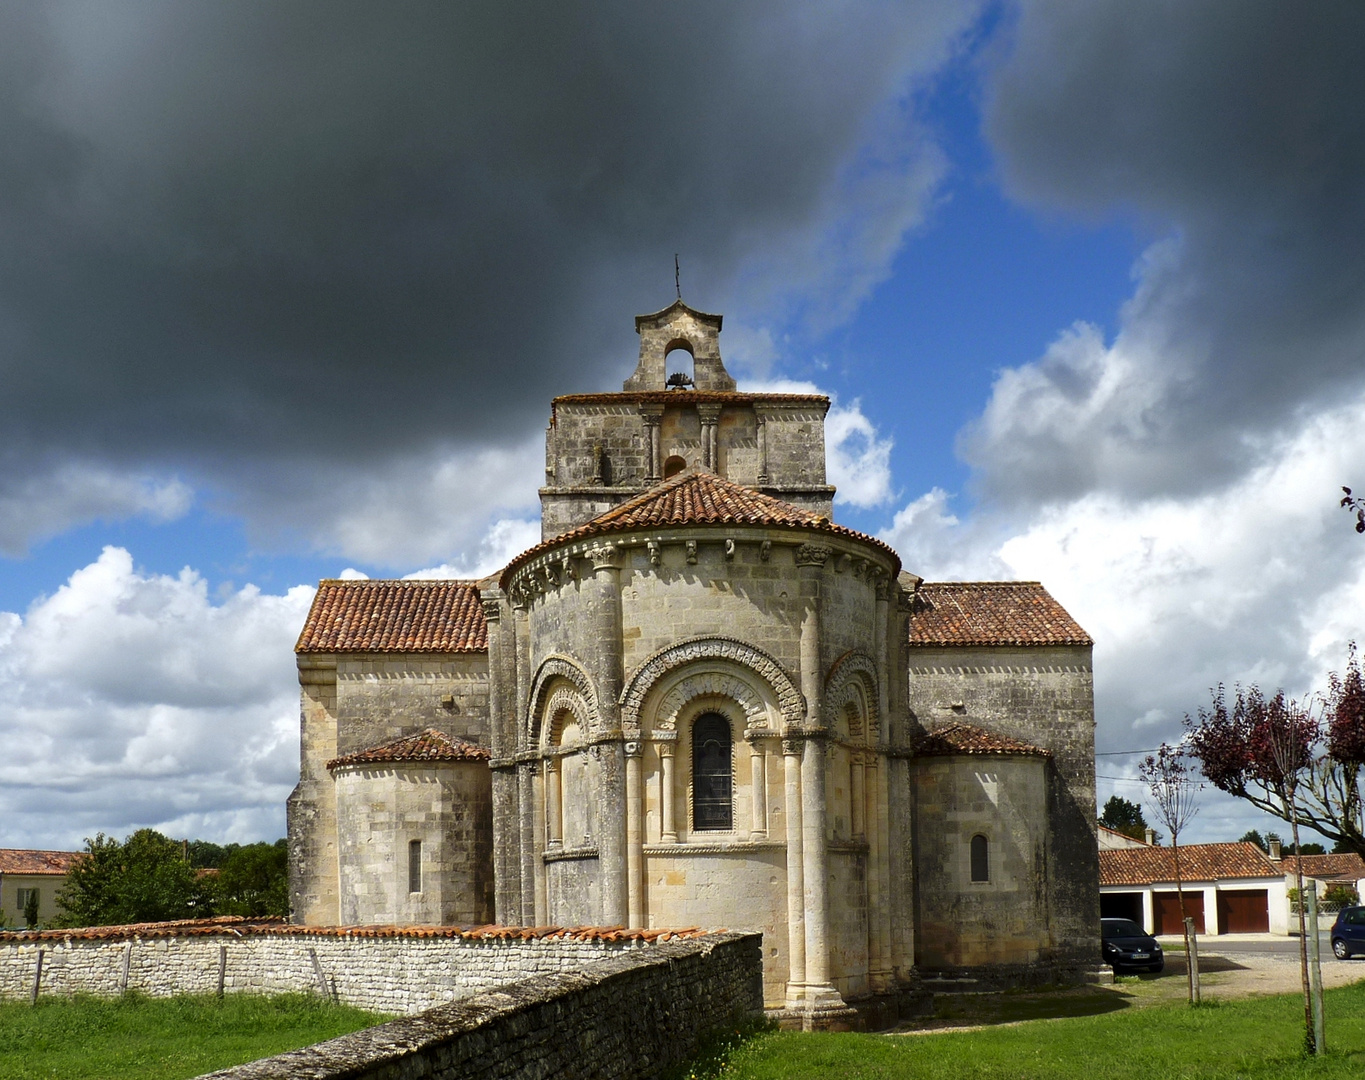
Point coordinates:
[(161, 1038), (1248, 1039)]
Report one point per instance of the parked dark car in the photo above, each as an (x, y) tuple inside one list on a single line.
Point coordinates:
[(1127, 947), (1348, 933)]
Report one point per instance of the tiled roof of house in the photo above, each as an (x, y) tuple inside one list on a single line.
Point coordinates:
[(957, 738), (429, 745), (395, 616), (991, 613), (1344, 867), (698, 497), (1198, 862), (27, 861), (236, 926)]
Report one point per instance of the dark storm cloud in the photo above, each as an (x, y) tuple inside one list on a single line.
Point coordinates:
[(1239, 129), (318, 231)]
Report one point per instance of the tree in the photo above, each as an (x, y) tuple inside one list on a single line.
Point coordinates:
[(144, 879), (1124, 817), (1356, 506), (253, 880), (31, 909), (1234, 745), (1172, 790), (1264, 750), (1256, 838)]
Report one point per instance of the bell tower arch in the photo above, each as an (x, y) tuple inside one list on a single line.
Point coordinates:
[(679, 327)]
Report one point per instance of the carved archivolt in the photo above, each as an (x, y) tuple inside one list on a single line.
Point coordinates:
[(731, 654), (561, 681), (851, 695)]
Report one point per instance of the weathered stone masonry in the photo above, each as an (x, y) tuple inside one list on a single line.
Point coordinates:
[(629, 1016)]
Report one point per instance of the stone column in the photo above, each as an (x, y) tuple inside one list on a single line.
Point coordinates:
[(502, 743), (669, 826), (796, 890), (554, 803), (542, 906), (651, 415), (604, 606), (880, 790), (635, 836), (758, 828), (762, 447), (876, 874), (815, 856), (526, 801), (710, 417), (857, 807), (885, 661)]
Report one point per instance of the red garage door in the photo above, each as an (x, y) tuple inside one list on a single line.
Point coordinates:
[(1166, 907), (1244, 911)]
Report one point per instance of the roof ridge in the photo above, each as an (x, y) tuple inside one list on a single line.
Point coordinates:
[(399, 581)]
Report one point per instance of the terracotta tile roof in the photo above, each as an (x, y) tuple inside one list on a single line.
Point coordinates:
[(27, 861), (236, 926), (395, 616), (698, 497), (991, 613), (428, 745), (956, 738), (1198, 862), (1345, 867)]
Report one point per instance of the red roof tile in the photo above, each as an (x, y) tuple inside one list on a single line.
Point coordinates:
[(1198, 862), (698, 497), (1344, 867), (395, 616), (236, 926), (429, 745), (956, 738), (27, 861), (991, 613)]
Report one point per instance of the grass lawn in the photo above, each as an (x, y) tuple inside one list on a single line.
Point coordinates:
[(1247, 1039), (161, 1038)]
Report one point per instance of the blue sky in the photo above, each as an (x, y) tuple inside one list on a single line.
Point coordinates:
[(1084, 283)]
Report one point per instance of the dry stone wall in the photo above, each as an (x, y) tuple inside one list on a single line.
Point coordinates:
[(390, 972), (631, 1015)]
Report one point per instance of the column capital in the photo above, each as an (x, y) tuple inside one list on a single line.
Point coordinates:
[(709, 414), (492, 611), (633, 748), (604, 557), (809, 554), (793, 746), (651, 413)]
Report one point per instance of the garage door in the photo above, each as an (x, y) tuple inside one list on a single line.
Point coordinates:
[(1166, 907), (1124, 905), (1244, 911)]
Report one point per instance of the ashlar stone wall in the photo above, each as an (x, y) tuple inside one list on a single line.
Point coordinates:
[(1044, 696)]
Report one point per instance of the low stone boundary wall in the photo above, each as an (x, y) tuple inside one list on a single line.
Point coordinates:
[(622, 1018), (386, 969)]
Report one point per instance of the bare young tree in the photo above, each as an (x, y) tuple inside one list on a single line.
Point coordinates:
[(1264, 749), (1172, 790)]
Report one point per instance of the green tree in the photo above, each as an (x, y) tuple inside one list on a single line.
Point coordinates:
[(31, 909), (1125, 817), (144, 879), (253, 880), (1256, 838)]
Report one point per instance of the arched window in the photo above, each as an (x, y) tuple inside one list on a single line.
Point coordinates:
[(711, 803), (673, 466), (981, 858)]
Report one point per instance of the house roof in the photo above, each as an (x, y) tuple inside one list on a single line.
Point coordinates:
[(395, 616), (428, 745), (991, 613), (1344, 867), (698, 497), (28, 861), (1118, 839), (1198, 862), (956, 738)]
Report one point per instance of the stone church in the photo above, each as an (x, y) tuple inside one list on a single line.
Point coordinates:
[(699, 701)]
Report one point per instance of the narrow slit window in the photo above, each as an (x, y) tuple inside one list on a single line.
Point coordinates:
[(981, 859), (711, 774), (414, 866)]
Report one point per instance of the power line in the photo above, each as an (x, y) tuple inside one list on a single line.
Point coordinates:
[(1123, 753)]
